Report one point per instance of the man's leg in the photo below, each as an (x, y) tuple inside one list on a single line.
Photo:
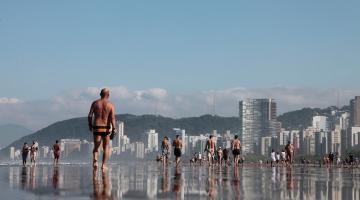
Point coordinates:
[(106, 149), (97, 143)]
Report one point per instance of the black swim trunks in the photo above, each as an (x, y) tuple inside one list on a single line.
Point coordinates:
[(101, 130), (102, 133), (177, 152), (236, 152)]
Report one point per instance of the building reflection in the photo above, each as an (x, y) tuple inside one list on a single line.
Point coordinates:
[(157, 181)]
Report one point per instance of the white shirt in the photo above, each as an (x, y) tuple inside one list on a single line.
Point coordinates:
[(272, 155), (283, 154)]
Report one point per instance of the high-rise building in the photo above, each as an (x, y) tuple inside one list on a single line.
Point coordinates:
[(355, 111), (355, 136), (320, 123), (257, 120), (117, 139), (139, 149), (321, 143), (152, 140), (335, 140), (44, 151), (12, 153), (69, 146)]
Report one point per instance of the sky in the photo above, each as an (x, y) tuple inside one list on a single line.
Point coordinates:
[(173, 58)]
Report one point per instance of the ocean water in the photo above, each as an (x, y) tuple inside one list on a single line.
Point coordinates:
[(150, 180)]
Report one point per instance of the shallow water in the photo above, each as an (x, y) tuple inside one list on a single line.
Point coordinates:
[(153, 181)]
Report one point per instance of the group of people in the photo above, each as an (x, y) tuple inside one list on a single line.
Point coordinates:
[(284, 157), (220, 155), (214, 155), (34, 148)]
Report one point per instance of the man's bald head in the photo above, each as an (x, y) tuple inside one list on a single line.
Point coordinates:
[(105, 92)]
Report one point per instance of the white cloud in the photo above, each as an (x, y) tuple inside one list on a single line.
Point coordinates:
[(6, 100), (75, 103)]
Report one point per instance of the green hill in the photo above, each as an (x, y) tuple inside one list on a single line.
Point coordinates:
[(136, 125), (134, 128)]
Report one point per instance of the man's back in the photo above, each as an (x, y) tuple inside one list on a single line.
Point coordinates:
[(102, 112), (236, 144), (177, 143)]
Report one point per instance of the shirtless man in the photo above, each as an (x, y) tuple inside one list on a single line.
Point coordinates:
[(236, 146), (165, 146), (56, 150), (33, 152), (210, 148), (101, 121), (289, 152), (177, 149)]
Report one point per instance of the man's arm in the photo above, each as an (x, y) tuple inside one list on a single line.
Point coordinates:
[(112, 116), (90, 117), (206, 146)]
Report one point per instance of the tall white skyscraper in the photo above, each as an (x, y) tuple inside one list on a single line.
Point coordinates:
[(12, 153), (139, 149), (117, 140), (257, 120), (152, 143), (320, 123)]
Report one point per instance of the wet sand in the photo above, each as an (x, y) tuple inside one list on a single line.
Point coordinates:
[(149, 180)]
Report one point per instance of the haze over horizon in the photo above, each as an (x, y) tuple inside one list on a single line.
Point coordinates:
[(173, 58)]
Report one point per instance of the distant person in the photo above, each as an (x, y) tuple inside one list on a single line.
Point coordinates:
[(220, 155), (331, 158), (33, 152), (210, 149), (277, 157), (272, 157), (283, 156), (226, 156), (101, 122), (25, 153), (199, 158), (289, 152), (56, 150), (177, 149), (236, 146), (165, 147)]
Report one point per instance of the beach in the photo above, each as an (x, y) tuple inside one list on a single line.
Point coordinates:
[(150, 180)]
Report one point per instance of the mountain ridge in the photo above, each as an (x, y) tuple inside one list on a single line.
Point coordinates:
[(135, 125)]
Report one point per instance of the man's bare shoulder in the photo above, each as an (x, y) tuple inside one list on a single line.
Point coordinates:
[(95, 102), (109, 104)]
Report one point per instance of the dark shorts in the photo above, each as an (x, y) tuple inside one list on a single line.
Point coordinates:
[(24, 156), (103, 134), (177, 152), (56, 155), (236, 152)]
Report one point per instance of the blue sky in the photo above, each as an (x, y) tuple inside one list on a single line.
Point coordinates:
[(182, 46), (170, 51)]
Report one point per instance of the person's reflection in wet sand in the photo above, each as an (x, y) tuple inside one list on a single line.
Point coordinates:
[(55, 179), (165, 180), (236, 182), (24, 178), (105, 193), (177, 180), (289, 179), (33, 177), (211, 183)]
